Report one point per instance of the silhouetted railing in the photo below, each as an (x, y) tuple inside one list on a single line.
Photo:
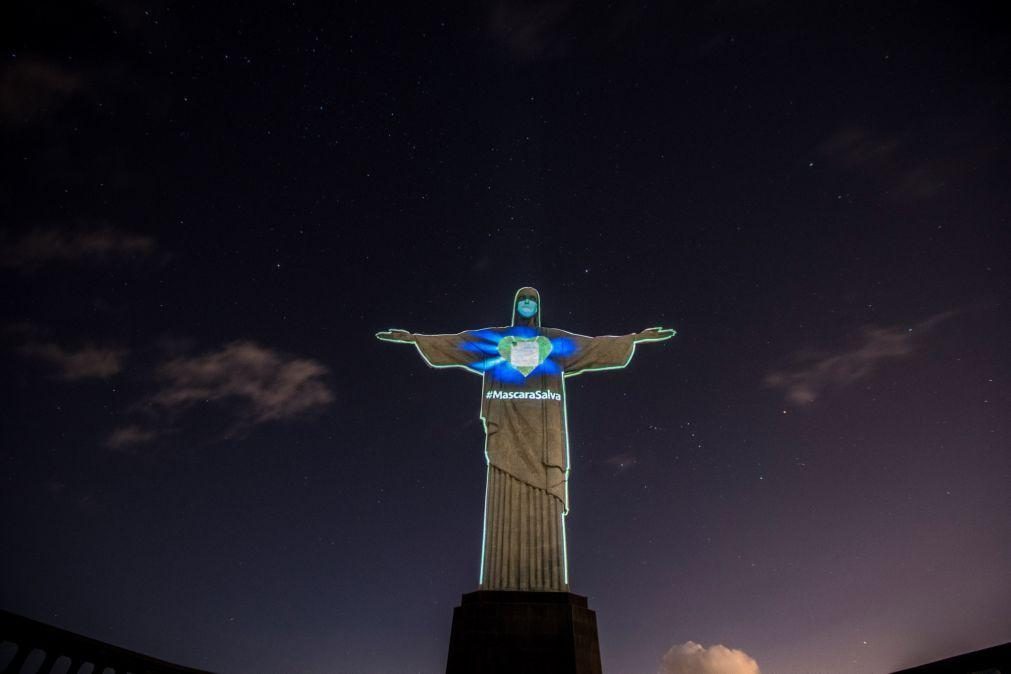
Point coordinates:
[(993, 660), (30, 636)]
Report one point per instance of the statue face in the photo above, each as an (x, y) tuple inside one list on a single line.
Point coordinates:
[(526, 307)]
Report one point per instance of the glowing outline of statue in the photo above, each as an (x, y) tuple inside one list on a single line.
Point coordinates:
[(527, 532)]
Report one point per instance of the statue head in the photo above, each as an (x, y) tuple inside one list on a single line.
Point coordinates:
[(527, 307)]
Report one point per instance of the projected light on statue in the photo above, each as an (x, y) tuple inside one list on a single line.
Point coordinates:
[(523, 367)]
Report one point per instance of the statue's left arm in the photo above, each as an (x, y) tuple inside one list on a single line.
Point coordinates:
[(608, 352)]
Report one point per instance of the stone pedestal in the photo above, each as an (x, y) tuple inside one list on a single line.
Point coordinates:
[(499, 632)]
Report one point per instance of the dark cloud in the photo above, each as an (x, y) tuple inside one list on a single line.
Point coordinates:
[(622, 462), (135, 16), (65, 244), (536, 31), (30, 88), (529, 30), (263, 384), (912, 165), (815, 372), (693, 658), (85, 363), (40, 77), (248, 384), (129, 436)]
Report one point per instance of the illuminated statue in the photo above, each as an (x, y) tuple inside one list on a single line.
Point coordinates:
[(524, 367)]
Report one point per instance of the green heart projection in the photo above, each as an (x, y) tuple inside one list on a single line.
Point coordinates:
[(524, 353)]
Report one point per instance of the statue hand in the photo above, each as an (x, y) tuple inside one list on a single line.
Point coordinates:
[(655, 334), (395, 336)]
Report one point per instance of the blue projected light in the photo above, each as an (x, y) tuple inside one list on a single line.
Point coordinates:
[(489, 347)]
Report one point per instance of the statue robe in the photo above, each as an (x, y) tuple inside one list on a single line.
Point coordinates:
[(526, 443)]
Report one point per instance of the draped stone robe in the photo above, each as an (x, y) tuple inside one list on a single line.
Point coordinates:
[(526, 444)]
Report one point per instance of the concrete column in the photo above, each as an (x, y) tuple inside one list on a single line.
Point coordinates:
[(15, 665), (47, 664)]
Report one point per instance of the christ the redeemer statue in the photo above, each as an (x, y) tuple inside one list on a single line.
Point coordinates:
[(524, 367)]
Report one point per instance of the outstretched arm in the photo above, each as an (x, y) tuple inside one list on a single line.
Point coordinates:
[(437, 350), (608, 352), (395, 336), (656, 334)]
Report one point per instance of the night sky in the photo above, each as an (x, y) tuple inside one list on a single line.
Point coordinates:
[(208, 209)]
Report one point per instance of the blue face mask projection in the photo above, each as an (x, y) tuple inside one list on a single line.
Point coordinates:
[(526, 307), (523, 368)]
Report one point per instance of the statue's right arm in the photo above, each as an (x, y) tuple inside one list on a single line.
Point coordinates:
[(396, 336), (438, 350)]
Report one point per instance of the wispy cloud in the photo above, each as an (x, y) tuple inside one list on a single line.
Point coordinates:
[(622, 462), (248, 385), (532, 31), (265, 384), (693, 658), (815, 372), (245, 383), (33, 87), (529, 31), (887, 160), (126, 437), (84, 363), (913, 164), (62, 244)]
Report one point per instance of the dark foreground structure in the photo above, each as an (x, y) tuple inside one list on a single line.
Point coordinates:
[(994, 660), (502, 632), (57, 644)]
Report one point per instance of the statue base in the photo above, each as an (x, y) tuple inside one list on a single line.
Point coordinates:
[(498, 632)]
